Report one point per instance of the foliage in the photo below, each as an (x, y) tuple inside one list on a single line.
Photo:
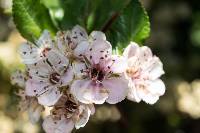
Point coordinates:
[(122, 20)]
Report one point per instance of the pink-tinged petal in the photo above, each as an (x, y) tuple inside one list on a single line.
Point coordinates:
[(88, 92), (144, 56), (81, 48), (156, 87), (39, 71), (67, 76), (145, 53), (146, 95), (57, 61), (18, 78), (34, 88), (49, 97), (117, 89), (83, 117), (98, 51), (63, 41), (130, 50), (116, 64), (150, 99), (98, 35), (154, 68), (78, 68), (92, 108), (133, 94), (57, 126), (29, 53), (78, 34), (45, 40), (34, 113)]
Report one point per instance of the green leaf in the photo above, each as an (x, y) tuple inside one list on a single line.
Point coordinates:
[(122, 20), (131, 24), (91, 14), (31, 17)]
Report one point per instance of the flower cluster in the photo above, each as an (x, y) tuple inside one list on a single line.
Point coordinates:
[(73, 71)]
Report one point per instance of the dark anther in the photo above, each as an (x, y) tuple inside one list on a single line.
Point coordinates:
[(54, 78)]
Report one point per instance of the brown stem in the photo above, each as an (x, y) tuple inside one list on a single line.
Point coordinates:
[(113, 18), (110, 21)]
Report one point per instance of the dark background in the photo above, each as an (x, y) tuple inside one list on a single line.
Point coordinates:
[(175, 38)]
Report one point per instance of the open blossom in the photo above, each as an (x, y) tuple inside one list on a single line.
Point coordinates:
[(31, 105), (143, 73), (19, 78), (32, 53), (47, 76), (102, 79), (72, 43), (66, 114), (26, 103), (73, 71)]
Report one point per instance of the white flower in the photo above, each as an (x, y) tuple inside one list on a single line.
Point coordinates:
[(47, 76), (101, 72), (32, 53), (143, 73), (19, 78), (31, 105), (72, 43), (66, 114)]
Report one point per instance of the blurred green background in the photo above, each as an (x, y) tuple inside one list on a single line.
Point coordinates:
[(175, 38)]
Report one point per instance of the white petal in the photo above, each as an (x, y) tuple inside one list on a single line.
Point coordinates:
[(92, 108), (29, 53), (35, 113), (154, 68), (62, 41), (98, 50), (156, 87), (98, 35), (45, 40), (40, 71), (117, 64), (50, 97), (67, 77), (130, 50), (150, 99), (88, 92), (34, 88), (18, 78), (148, 91), (117, 89), (81, 48), (78, 68), (145, 52), (57, 126), (83, 117), (133, 94), (58, 61), (79, 34)]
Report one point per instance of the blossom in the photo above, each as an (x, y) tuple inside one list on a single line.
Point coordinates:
[(31, 105), (66, 114), (102, 74), (47, 76), (32, 53), (143, 74), (26, 103), (19, 78), (72, 43)]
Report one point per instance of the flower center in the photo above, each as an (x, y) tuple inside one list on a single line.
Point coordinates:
[(70, 106), (54, 78), (45, 51), (133, 73), (97, 74)]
